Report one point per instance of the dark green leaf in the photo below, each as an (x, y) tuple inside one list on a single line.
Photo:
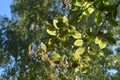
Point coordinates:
[(75, 11), (108, 34), (90, 21), (112, 21), (98, 18), (101, 6), (114, 13), (75, 64), (111, 40)]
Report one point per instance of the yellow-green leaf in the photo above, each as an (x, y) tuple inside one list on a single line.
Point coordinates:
[(51, 32), (77, 69), (65, 20), (77, 35), (80, 51), (102, 44), (45, 3), (78, 3), (54, 57), (75, 57), (97, 40), (87, 58), (72, 29), (43, 46), (91, 51), (50, 41), (78, 42), (90, 10), (30, 47), (55, 23)]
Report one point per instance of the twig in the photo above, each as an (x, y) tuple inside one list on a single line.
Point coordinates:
[(76, 17), (101, 26)]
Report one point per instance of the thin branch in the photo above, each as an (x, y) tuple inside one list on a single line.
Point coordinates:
[(102, 25), (76, 17)]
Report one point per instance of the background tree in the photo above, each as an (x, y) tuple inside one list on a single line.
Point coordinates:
[(61, 40)]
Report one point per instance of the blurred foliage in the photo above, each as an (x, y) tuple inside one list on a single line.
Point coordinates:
[(61, 40)]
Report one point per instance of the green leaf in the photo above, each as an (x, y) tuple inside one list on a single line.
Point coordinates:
[(43, 46), (51, 32), (55, 57), (98, 18), (87, 58), (89, 0), (50, 41), (62, 38), (62, 35), (78, 3), (74, 57), (101, 6), (55, 24), (61, 24), (30, 47), (97, 40), (90, 10), (78, 42), (109, 37), (91, 51), (77, 35), (108, 51), (108, 34), (80, 51), (65, 20), (75, 11), (114, 13), (45, 3), (112, 21), (74, 1), (111, 40), (75, 64), (90, 21), (90, 34), (102, 44), (72, 29)]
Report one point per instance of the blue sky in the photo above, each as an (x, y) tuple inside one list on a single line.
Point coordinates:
[(5, 11), (5, 8)]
